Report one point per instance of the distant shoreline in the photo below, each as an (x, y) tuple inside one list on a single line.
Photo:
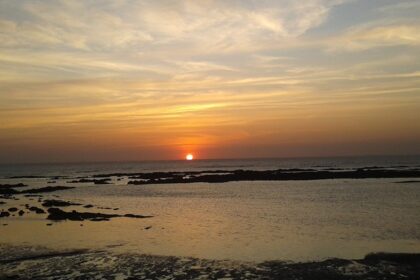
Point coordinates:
[(223, 176), (285, 158)]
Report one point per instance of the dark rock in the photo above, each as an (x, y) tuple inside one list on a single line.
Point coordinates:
[(88, 206), (12, 209), (57, 203), (149, 227), (221, 176), (47, 189), (4, 214), (58, 214), (136, 216), (405, 258), (37, 210), (21, 212), (8, 191), (95, 181), (27, 177), (8, 186)]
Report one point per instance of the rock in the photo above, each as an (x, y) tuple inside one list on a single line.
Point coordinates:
[(8, 191), (12, 209), (95, 181), (36, 210), (57, 203), (88, 206), (136, 216), (57, 214), (7, 186), (21, 212), (47, 189), (4, 214)]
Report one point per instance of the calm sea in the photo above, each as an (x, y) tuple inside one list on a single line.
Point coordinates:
[(82, 169), (283, 220)]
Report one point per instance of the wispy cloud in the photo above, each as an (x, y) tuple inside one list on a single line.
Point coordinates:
[(169, 73)]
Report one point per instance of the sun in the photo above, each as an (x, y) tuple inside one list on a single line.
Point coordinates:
[(189, 157)]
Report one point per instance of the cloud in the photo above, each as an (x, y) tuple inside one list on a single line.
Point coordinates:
[(367, 37), (88, 25)]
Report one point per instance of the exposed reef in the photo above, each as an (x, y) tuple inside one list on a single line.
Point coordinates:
[(222, 176), (47, 189), (94, 181), (7, 186), (12, 191), (57, 214), (57, 203)]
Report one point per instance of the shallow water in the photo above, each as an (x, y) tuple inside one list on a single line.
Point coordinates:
[(293, 220)]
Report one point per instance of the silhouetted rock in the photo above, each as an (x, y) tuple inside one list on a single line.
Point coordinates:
[(4, 214), (136, 216), (57, 203), (12, 209), (7, 186), (88, 206), (270, 175), (57, 214), (8, 191), (405, 258), (47, 189), (27, 177), (95, 181), (21, 212), (36, 210)]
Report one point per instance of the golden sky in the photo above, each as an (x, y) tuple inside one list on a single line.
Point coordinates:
[(156, 79)]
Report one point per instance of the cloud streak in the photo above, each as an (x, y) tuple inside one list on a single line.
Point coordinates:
[(205, 75)]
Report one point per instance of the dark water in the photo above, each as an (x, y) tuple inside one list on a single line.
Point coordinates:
[(73, 169)]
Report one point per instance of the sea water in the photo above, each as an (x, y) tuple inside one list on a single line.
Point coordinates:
[(255, 221)]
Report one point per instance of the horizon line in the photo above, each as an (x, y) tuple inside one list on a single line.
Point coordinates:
[(210, 159)]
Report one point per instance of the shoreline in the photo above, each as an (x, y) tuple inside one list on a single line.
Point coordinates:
[(31, 262)]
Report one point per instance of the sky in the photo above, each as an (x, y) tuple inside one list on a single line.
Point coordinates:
[(157, 79)]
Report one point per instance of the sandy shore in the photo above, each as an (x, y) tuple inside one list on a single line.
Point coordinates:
[(41, 263)]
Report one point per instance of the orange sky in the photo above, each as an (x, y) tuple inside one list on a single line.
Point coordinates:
[(152, 80)]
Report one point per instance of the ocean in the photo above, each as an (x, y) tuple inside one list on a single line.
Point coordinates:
[(298, 220)]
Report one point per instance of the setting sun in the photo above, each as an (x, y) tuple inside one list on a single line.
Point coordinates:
[(189, 157)]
